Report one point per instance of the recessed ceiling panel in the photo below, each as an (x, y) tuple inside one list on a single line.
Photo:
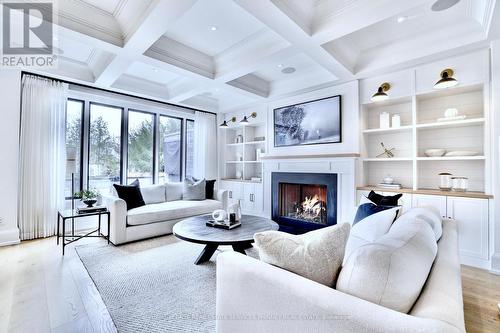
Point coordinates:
[(74, 50), (150, 73), (109, 6), (212, 26)]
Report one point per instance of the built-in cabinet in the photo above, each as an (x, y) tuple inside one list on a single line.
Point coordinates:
[(471, 214), (250, 195)]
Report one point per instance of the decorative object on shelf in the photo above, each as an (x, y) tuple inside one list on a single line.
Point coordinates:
[(238, 139), (459, 184), (447, 80), (381, 94), (388, 179), (451, 114), (396, 186), (239, 156), (396, 121), (445, 181), (225, 125), (461, 153), (88, 197), (258, 153), (387, 152), (239, 174), (219, 215), (245, 121), (385, 120), (435, 152), (259, 138), (309, 123)]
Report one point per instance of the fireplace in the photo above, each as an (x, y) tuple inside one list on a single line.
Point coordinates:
[(303, 202)]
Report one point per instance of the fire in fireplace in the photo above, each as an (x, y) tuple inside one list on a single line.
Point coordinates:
[(304, 201)]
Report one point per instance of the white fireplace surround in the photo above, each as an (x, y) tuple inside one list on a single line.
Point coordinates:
[(344, 167)]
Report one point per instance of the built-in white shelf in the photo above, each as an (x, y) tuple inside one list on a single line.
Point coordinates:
[(255, 142), (388, 130), (452, 158), (234, 144), (387, 159), (234, 162), (253, 162), (453, 124)]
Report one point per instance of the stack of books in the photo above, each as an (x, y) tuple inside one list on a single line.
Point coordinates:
[(89, 210), (223, 224), (395, 186)]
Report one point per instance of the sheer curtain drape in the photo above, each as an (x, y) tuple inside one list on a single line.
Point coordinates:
[(205, 145), (42, 156)]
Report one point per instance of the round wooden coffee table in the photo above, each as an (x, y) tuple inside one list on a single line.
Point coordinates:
[(194, 230)]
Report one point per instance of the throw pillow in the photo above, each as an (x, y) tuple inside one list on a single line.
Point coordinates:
[(384, 200), (428, 214), (194, 191), (131, 194), (153, 193), (316, 255), (392, 271), (209, 189), (367, 209), (173, 191), (370, 229)]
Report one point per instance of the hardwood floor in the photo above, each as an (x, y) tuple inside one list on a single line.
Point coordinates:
[(42, 291)]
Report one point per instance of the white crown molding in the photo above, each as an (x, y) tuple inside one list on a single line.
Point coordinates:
[(252, 83)]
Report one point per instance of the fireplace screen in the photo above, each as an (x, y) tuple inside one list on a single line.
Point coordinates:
[(305, 202)]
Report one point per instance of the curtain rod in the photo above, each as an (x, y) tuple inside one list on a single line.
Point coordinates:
[(115, 92)]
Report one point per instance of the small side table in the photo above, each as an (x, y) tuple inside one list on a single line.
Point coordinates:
[(64, 215)]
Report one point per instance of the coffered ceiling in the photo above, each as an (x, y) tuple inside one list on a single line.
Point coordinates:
[(219, 55)]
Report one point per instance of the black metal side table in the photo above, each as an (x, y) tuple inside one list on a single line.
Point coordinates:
[(64, 215)]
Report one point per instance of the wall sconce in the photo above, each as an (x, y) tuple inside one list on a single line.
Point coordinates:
[(380, 95), (224, 124), (245, 121), (446, 80)]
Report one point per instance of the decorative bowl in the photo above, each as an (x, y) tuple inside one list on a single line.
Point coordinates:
[(435, 152), (89, 202)]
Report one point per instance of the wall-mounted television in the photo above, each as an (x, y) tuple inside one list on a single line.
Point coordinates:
[(309, 123)]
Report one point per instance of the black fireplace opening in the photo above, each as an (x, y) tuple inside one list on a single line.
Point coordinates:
[(302, 202)]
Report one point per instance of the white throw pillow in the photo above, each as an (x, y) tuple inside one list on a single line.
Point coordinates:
[(153, 193), (392, 271), (174, 191), (370, 229), (316, 255), (428, 214)]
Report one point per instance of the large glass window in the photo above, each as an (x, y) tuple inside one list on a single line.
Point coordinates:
[(74, 114), (189, 148), (104, 146), (170, 149), (140, 147)]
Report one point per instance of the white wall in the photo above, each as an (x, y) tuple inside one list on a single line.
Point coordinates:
[(10, 97)]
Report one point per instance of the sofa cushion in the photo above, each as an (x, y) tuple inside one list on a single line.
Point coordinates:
[(316, 255), (367, 209), (392, 271), (370, 229), (174, 191), (170, 210), (131, 194), (209, 188), (428, 214), (194, 190), (153, 193)]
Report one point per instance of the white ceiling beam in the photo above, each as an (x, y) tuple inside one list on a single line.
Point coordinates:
[(272, 16), (158, 18)]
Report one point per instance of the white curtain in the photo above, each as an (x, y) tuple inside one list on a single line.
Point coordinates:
[(42, 156), (205, 146)]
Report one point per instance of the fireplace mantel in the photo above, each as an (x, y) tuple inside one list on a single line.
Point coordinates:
[(293, 157)]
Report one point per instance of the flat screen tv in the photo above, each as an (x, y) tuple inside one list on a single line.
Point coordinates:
[(309, 123)]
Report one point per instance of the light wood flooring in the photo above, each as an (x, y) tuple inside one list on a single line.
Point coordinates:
[(42, 291)]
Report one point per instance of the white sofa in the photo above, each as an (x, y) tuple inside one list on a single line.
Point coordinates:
[(253, 296), (164, 207)]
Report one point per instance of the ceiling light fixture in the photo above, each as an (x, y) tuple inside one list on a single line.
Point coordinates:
[(245, 121), (441, 5), (401, 19), (280, 65), (225, 125), (381, 95), (446, 80), (288, 70), (213, 28)]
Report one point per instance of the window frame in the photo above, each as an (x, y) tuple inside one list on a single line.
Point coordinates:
[(186, 146), (82, 136)]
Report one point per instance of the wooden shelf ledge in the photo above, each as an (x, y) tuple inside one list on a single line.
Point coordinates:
[(468, 194), (289, 157)]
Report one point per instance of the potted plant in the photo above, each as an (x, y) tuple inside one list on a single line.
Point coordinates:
[(89, 197)]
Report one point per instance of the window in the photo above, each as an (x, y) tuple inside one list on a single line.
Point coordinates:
[(74, 114), (170, 149), (104, 146), (189, 148), (140, 147)]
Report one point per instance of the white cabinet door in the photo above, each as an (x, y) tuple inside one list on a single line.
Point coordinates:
[(472, 218), (247, 202), (437, 201), (258, 199)]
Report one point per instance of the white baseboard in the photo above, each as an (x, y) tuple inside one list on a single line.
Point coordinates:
[(475, 262), (495, 264), (9, 237)]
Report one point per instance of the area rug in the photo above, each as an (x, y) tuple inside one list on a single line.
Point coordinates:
[(153, 285)]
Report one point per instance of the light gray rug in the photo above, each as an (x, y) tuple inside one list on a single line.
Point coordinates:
[(153, 285)]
